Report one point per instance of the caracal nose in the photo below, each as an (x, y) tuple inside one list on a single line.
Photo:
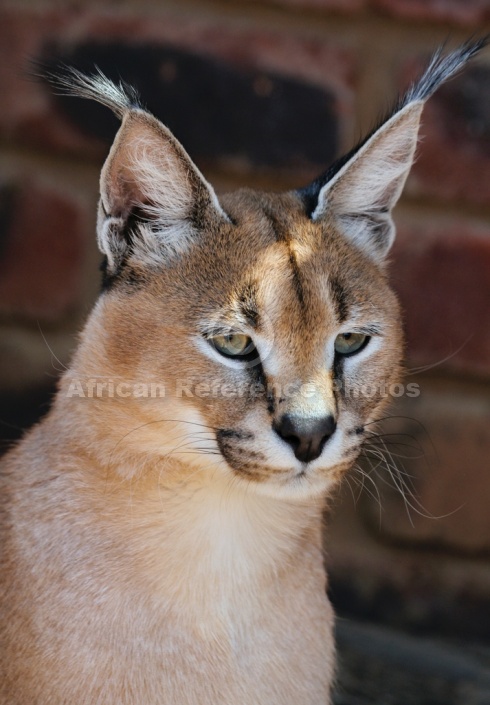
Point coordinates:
[(306, 436)]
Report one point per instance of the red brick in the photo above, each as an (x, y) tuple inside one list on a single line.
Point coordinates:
[(441, 271), (381, 578), (453, 161), (446, 456), (33, 115), (344, 6), (27, 108), (461, 12), (42, 252)]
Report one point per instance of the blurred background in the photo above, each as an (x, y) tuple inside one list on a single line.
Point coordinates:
[(266, 94)]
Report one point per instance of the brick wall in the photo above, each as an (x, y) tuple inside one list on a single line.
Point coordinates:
[(266, 94)]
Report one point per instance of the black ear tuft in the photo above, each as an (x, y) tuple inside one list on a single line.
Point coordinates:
[(361, 188), (440, 68)]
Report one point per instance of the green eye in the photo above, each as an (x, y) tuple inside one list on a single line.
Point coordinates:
[(350, 343), (235, 345)]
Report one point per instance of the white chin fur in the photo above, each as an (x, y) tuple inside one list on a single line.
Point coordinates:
[(311, 485)]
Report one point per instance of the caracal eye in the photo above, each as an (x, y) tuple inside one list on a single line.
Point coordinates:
[(350, 343), (236, 345)]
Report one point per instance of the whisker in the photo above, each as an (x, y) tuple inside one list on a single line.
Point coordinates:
[(157, 421), (425, 368), (401, 484), (375, 496), (354, 498), (62, 365), (394, 454)]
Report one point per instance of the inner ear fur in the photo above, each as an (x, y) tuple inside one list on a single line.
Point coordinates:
[(362, 194), (148, 177)]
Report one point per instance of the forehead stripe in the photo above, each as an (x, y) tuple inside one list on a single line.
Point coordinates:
[(297, 283), (339, 299), (247, 303), (282, 234)]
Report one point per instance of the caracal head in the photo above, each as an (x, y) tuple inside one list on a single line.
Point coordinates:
[(267, 318)]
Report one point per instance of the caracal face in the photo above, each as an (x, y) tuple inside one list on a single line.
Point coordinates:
[(267, 318), (287, 416)]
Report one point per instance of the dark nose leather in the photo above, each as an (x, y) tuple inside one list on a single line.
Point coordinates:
[(306, 436)]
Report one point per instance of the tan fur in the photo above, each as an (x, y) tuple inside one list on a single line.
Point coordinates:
[(137, 571), (166, 550)]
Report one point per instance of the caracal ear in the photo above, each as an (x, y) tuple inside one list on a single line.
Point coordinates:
[(359, 192), (364, 192), (153, 198)]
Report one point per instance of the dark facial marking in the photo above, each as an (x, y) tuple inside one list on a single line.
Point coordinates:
[(235, 434), (338, 372), (250, 470), (124, 275), (282, 234), (258, 377), (247, 301), (297, 283), (339, 298), (241, 459), (271, 401)]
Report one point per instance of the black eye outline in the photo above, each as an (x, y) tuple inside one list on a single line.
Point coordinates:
[(252, 354), (364, 343)]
